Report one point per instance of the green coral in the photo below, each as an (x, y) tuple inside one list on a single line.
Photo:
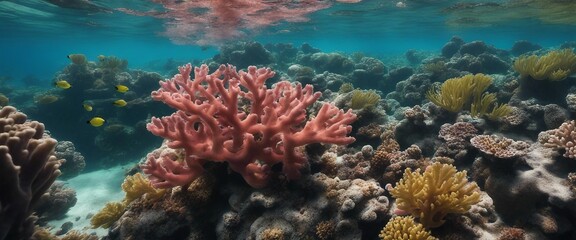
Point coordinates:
[(468, 93), (432, 195), (554, 66)]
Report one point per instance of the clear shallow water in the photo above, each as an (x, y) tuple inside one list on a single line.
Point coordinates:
[(37, 34)]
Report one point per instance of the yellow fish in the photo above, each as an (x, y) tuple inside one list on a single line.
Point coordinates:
[(121, 88), (96, 121), (63, 84), (87, 107), (120, 103)]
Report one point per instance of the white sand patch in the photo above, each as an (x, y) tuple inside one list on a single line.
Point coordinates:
[(93, 190)]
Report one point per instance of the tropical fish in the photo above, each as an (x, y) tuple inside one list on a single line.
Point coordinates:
[(96, 121), (78, 59), (87, 107), (121, 88), (45, 99), (120, 103), (63, 84)]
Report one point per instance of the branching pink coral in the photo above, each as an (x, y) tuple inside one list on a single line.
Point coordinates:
[(212, 125), (211, 22)]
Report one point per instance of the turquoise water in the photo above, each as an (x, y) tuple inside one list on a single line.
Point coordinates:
[(39, 34), (382, 61)]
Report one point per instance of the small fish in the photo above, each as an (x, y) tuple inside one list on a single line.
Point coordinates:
[(120, 103), (121, 88), (96, 121), (63, 84), (87, 107)]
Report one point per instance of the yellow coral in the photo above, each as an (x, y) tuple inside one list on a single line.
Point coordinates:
[(554, 66), (456, 94), (108, 215), (137, 186), (364, 99), (430, 196), (404, 228)]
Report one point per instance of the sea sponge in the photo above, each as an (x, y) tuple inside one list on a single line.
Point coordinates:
[(431, 195), (404, 228), (108, 215), (554, 66)]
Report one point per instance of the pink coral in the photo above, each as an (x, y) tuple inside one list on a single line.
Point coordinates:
[(211, 125), (562, 137), (212, 22)]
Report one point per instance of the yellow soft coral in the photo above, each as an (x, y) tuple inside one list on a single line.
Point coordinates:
[(554, 66), (108, 215), (404, 228), (136, 186), (467, 92), (430, 196)]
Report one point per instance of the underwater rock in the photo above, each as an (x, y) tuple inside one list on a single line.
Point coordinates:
[(56, 202), (523, 46), (331, 62), (244, 54), (452, 47), (411, 91), (74, 163), (474, 48), (555, 115)]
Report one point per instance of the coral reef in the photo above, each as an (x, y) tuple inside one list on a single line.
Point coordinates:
[(404, 228), (251, 142), (27, 169), (431, 195)]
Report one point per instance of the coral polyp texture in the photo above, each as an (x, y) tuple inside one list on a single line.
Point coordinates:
[(564, 137), (554, 66), (499, 147), (27, 169), (231, 116), (432, 195), (404, 228)]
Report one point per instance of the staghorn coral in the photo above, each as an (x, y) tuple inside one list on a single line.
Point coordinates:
[(562, 137), (431, 195), (554, 66), (499, 147), (404, 228)]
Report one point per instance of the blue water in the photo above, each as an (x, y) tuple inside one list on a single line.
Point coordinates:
[(35, 35)]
